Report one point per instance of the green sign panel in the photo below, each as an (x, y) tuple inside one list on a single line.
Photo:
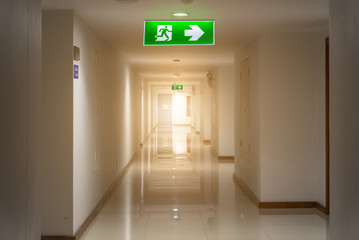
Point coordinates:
[(177, 87), (159, 33)]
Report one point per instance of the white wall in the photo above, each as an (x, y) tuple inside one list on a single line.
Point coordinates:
[(213, 102), (20, 88), (57, 164), (93, 124), (107, 113), (154, 107), (287, 118), (344, 119), (146, 109), (206, 110), (193, 107), (249, 171), (151, 109), (197, 107), (225, 88)]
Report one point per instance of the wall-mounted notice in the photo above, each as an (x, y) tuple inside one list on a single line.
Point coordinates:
[(76, 71)]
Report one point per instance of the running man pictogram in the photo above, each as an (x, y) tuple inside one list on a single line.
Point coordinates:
[(164, 33)]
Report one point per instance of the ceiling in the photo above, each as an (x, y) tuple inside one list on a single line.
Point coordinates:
[(121, 22)]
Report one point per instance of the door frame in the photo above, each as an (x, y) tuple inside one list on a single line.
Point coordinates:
[(327, 129)]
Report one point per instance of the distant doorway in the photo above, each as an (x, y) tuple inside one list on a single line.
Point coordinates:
[(164, 114)]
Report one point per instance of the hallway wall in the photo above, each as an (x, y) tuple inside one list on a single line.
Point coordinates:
[(344, 119), (248, 171), (57, 123), (147, 108), (93, 122), (206, 110), (197, 107), (149, 100), (20, 110), (214, 107), (287, 134), (107, 113), (225, 88), (290, 146)]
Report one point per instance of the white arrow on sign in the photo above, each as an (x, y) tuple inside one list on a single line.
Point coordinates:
[(195, 33)]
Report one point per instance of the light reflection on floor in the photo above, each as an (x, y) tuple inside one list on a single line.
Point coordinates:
[(176, 189)]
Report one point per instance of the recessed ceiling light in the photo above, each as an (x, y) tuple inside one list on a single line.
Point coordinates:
[(126, 1), (180, 14), (187, 1)]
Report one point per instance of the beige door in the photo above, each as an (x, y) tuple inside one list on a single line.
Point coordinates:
[(245, 140)]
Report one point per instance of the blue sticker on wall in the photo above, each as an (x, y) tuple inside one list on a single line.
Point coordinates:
[(76, 71)]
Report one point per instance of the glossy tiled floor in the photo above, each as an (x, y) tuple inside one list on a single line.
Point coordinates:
[(176, 189)]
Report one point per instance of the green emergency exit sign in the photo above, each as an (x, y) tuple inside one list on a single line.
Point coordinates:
[(177, 87), (159, 33)]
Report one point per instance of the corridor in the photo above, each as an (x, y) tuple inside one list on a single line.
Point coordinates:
[(182, 119), (175, 189)]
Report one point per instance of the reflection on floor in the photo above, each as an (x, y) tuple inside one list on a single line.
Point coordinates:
[(176, 189)]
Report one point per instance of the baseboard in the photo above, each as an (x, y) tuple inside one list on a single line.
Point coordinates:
[(246, 189), (206, 142), (322, 209), (222, 159), (293, 205), (99, 205), (267, 205), (277, 205), (58, 238), (226, 159)]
